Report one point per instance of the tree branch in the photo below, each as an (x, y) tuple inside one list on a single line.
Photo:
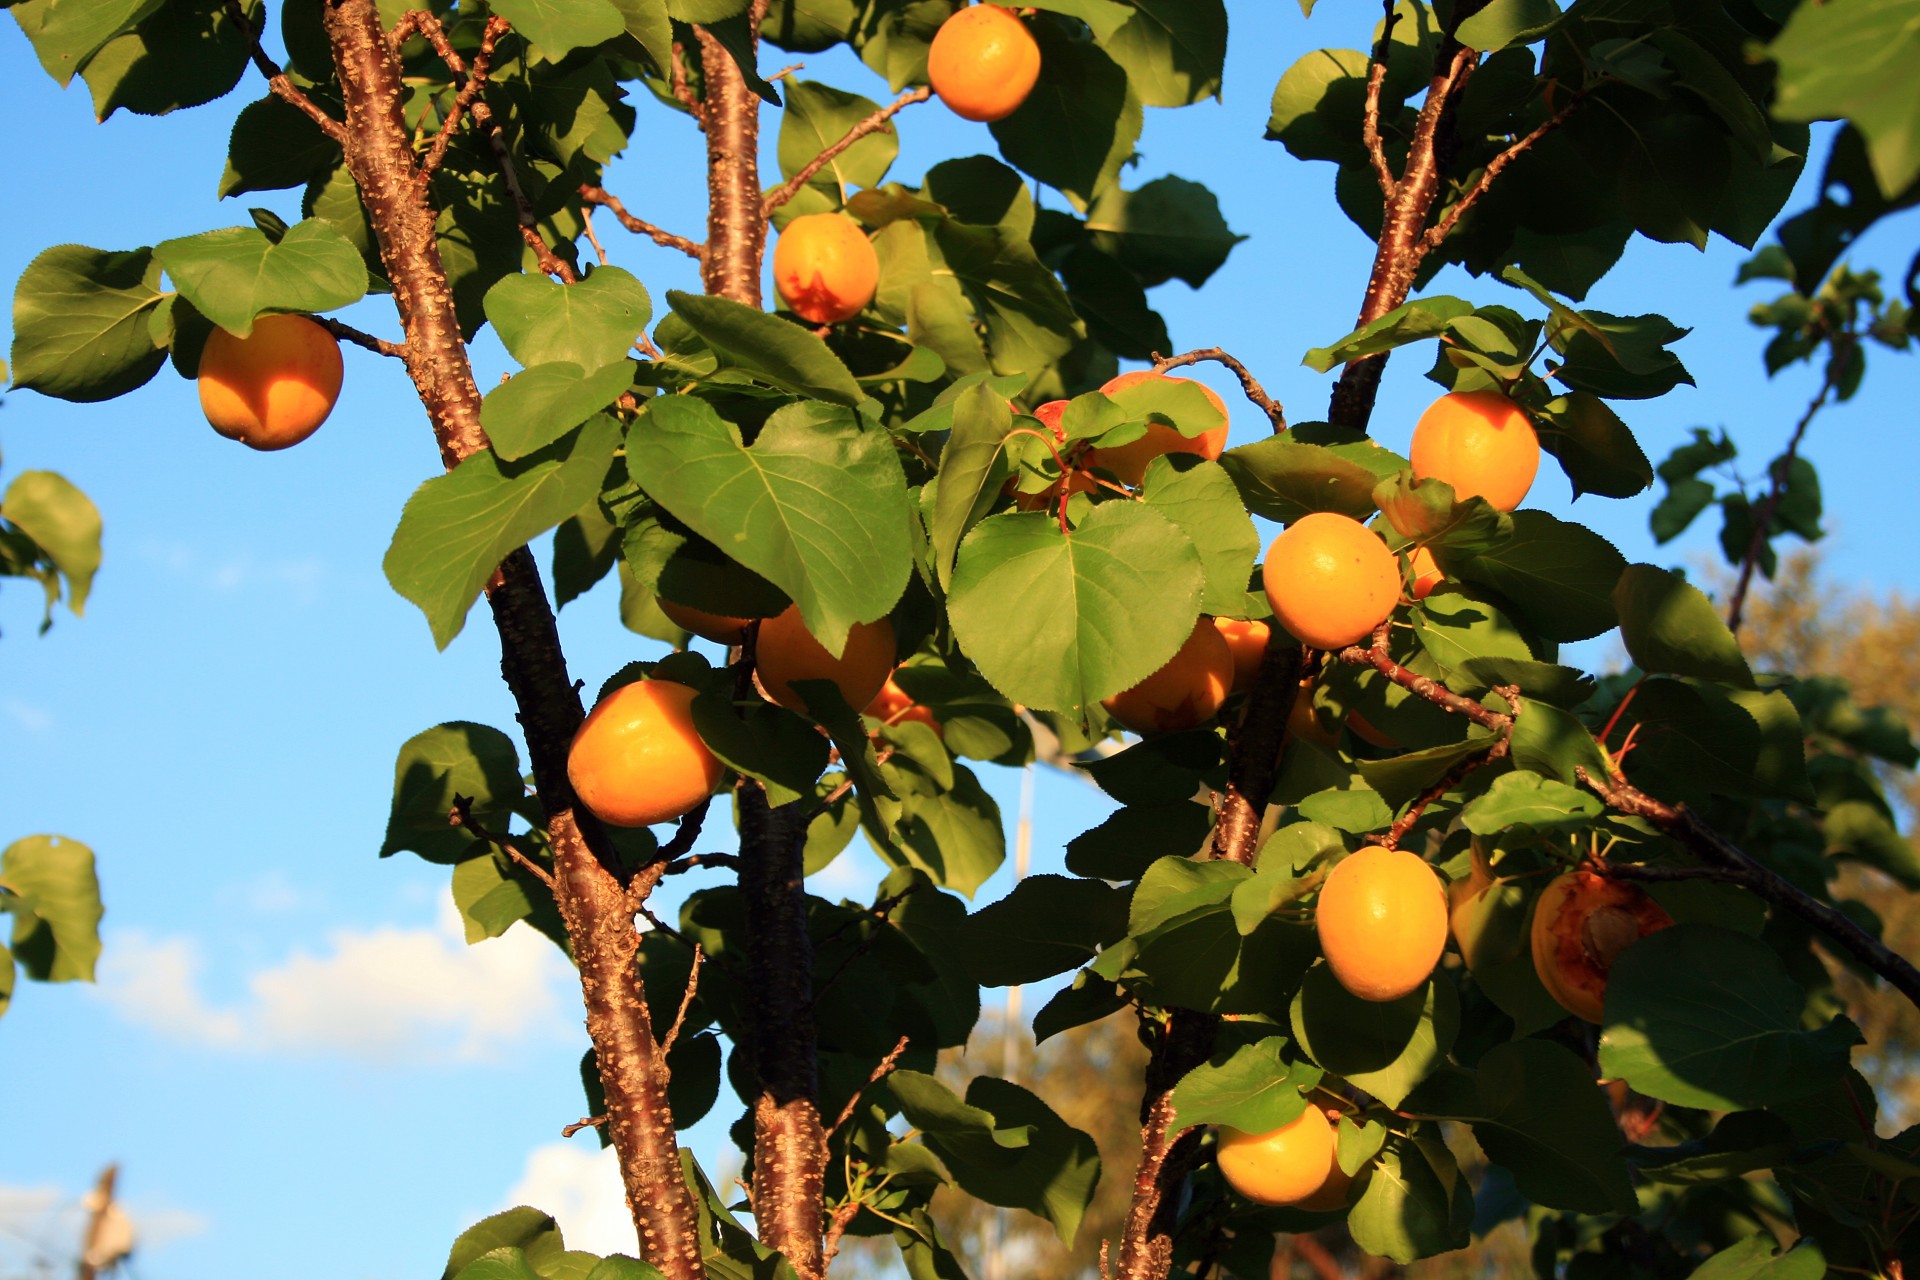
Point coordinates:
[(347, 333), (879, 1073), (1737, 867), (277, 79), (686, 1002), (1426, 687), (470, 90), (462, 816), (872, 124), (736, 227), (1453, 777), (1255, 749), (593, 195), (1167, 1155), (1436, 235), (1248, 383), (1370, 124)]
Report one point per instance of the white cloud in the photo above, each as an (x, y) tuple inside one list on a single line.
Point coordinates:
[(387, 995), (31, 718), (41, 1227), (578, 1183), (302, 578)]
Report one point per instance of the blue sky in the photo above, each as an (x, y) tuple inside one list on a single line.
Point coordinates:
[(300, 1066)]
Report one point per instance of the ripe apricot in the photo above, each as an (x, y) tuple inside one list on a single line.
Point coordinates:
[(983, 63), (273, 388), (786, 651), (1581, 925), (1479, 442), (1330, 580), (636, 759), (1303, 724), (1290, 1165), (1185, 692), (894, 705), (717, 627), (1426, 572), (825, 267), (1129, 461), (1382, 921), (1247, 640)]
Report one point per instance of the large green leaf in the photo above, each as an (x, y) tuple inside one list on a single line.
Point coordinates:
[(1758, 1258), (457, 528), (1857, 60), (1285, 476), (1536, 1111), (525, 1230), (186, 53), (972, 467), (1047, 925), (817, 506), (774, 350), (1173, 50), (1409, 322), (233, 275), (65, 35), (539, 404), (1385, 1047), (1670, 627), (1416, 1203), (1706, 1017), (80, 322), (1080, 123), (275, 145), (64, 523), (557, 26), (763, 740), (1060, 621), (588, 324), (1029, 320), (1256, 1088), (1508, 22), (1558, 576), (454, 759), (1203, 502), (55, 905), (1168, 229), (1053, 1175)]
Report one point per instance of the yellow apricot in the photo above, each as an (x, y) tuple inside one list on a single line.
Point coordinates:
[(717, 627), (1184, 693), (1330, 580), (983, 63), (825, 267), (1247, 639), (1479, 442), (786, 651), (636, 759), (273, 388), (1287, 1166), (1580, 926), (1382, 921), (1129, 461)]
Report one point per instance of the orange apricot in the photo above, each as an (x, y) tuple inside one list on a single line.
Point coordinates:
[(717, 627), (1330, 580), (825, 267), (894, 705), (1479, 442), (786, 651), (1581, 925), (1382, 921), (1184, 693), (636, 759), (1303, 724), (1129, 461), (1291, 1165), (1426, 572), (273, 388), (983, 63), (1247, 640)]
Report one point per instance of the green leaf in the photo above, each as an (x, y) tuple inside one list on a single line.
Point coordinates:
[(773, 350), (1684, 500), (558, 26), (972, 467), (457, 528), (1088, 999), (1553, 742), (1856, 61), (1595, 449), (1529, 800), (1414, 321), (1203, 502), (620, 1267), (1052, 1175), (1256, 1088), (455, 759), (233, 275), (1285, 476), (64, 523), (1173, 50), (1133, 837), (763, 740), (1318, 105), (187, 53), (539, 404), (817, 506), (1706, 1017), (955, 836), (56, 915), (80, 328), (1385, 1047), (1080, 123), (1100, 610), (1558, 576), (1758, 1258), (817, 116), (1028, 317), (1670, 627), (1113, 304), (1174, 886), (1704, 736), (1168, 229), (588, 324), (1416, 1203), (65, 36), (1047, 925), (9, 978), (275, 145), (499, 1264), (525, 1230), (1508, 22)]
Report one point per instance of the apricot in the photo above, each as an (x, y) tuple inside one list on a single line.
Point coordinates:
[(1184, 693), (1247, 640), (1479, 442), (637, 760), (825, 267), (1425, 571), (717, 627), (1330, 580), (1291, 1165), (1074, 482), (273, 388), (786, 651), (1581, 925), (1303, 724), (894, 705), (983, 63), (1129, 461), (1382, 921)]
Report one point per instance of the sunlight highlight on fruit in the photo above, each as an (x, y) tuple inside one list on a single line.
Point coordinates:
[(983, 63), (273, 388), (636, 759), (1291, 1165), (1330, 580), (1382, 921)]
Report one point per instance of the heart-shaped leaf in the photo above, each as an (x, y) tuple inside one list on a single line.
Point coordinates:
[(589, 323), (233, 275)]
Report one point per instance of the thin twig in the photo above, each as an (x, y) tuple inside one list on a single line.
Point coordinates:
[(461, 815), (683, 92), (588, 1122), (1458, 774), (679, 865), (593, 195), (1439, 231), (872, 124), (686, 833), (586, 223), (837, 1227), (347, 333), (1248, 383), (277, 79), (1376, 78), (1426, 687), (469, 93), (686, 1002), (879, 1073)]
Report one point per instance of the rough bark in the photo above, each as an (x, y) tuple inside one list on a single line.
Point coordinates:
[(736, 228), (592, 901), (1167, 1155)]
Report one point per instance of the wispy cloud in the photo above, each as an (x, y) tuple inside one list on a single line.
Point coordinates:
[(29, 717), (301, 578)]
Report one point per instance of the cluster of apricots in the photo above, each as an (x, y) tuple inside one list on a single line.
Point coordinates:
[(273, 388)]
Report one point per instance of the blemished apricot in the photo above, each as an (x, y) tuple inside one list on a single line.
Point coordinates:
[(1184, 693), (273, 388), (894, 705), (1290, 1165), (983, 63), (717, 627), (1581, 925), (825, 267), (636, 759), (1425, 571), (1330, 580), (1247, 641), (1382, 921), (786, 651), (1129, 461), (1479, 442)]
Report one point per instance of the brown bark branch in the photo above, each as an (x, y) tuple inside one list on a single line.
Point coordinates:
[(277, 81), (586, 1122), (1248, 383), (1436, 235), (462, 816), (470, 90), (1370, 123), (1452, 778), (592, 902), (836, 1228), (736, 227), (686, 1002), (879, 1073), (1167, 1155), (347, 333), (872, 124), (1256, 748), (1426, 687), (593, 195)]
